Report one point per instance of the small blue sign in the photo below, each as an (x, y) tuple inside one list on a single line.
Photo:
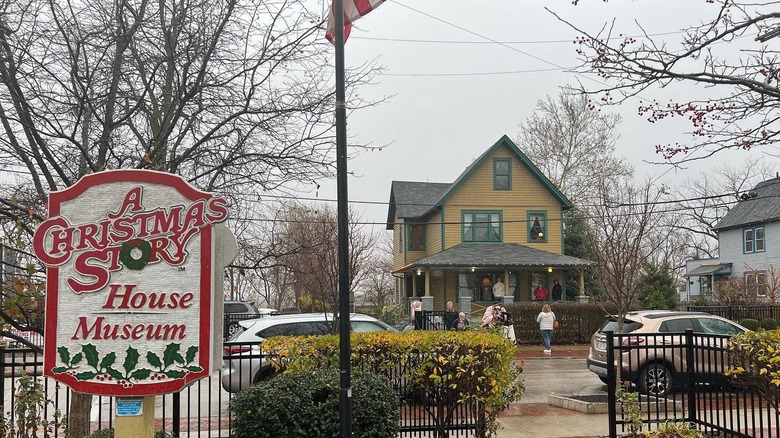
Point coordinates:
[(129, 407)]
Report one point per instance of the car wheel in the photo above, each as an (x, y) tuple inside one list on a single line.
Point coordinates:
[(264, 374), (232, 329), (655, 379)]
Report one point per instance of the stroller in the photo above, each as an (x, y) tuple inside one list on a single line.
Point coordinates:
[(496, 315)]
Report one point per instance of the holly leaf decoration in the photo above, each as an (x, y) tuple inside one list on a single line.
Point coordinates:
[(76, 358), (153, 359), (194, 368), (64, 354), (131, 360), (108, 360), (141, 374), (91, 354), (174, 374), (116, 374), (86, 375), (59, 370), (191, 352), (171, 354)]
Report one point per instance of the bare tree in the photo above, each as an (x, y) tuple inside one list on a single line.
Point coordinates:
[(771, 284), (310, 232), (626, 227), (236, 96), (742, 110), (379, 285), (573, 144)]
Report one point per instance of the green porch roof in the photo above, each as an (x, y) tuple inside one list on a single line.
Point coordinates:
[(496, 255)]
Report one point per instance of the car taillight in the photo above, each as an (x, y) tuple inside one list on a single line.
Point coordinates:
[(235, 349), (633, 341)]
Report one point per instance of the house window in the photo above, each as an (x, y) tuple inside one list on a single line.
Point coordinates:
[(481, 226), (416, 236), (753, 239), (755, 282), (537, 226), (502, 174), (705, 285)]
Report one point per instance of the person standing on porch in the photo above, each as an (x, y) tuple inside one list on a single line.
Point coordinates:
[(540, 293), (499, 290), (557, 291)]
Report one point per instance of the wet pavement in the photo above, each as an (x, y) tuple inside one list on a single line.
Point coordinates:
[(562, 373)]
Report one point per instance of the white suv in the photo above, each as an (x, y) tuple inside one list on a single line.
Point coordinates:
[(243, 362)]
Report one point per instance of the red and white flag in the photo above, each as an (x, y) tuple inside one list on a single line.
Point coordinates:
[(353, 9)]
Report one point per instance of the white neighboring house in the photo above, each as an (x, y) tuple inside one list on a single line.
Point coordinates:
[(745, 244)]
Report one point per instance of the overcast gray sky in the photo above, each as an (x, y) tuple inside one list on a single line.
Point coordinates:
[(456, 92)]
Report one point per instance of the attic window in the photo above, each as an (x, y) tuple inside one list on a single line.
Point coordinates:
[(537, 226), (502, 174)]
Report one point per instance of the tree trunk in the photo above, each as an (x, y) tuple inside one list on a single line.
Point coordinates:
[(78, 417)]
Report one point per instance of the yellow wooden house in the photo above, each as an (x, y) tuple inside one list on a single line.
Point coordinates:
[(500, 219)]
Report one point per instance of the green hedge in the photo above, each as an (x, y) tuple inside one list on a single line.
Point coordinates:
[(578, 321), (769, 324), (450, 369), (306, 404), (750, 323)]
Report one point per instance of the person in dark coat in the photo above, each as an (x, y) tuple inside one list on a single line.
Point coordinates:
[(450, 315), (557, 291)]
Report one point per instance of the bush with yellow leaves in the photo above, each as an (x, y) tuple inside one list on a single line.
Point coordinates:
[(449, 369)]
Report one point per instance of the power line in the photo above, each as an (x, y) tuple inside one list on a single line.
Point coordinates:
[(569, 41)]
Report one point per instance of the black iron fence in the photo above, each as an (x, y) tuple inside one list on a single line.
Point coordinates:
[(203, 409), (680, 378), (737, 313)]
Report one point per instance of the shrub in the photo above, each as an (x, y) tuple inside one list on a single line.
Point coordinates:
[(675, 430), (306, 403), (451, 369), (754, 362), (769, 324), (749, 323)]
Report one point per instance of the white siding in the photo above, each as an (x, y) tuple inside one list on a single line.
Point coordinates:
[(731, 251)]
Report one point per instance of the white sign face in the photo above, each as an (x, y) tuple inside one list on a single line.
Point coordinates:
[(129, 296)]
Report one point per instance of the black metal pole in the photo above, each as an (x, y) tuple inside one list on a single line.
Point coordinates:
[(345, 393)]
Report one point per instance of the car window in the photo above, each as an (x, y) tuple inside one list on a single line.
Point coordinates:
[(235, 308), (717, 326), (312, 328), (628, 326), (366, 326), (676, 325), (277, 330)]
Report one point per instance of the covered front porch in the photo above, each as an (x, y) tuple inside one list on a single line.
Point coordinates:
[(469, 272)]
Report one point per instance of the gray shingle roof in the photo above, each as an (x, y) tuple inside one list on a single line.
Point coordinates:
[(409, 200), (764, 207), (497, 254)]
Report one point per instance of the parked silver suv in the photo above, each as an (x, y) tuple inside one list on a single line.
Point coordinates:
[(656, 360), (244, 364)]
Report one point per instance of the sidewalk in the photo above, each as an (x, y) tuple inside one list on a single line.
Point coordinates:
[(540, 420)]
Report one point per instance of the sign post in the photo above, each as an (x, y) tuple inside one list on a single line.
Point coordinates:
[(131, 293)]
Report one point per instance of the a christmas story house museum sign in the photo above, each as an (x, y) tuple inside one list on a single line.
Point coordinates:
[(129, 295)]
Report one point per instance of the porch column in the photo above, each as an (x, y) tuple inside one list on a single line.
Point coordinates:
[(414, 285), (428, 283), (582, 298)]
